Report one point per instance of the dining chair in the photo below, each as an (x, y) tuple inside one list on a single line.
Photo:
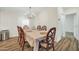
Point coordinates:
[(19, 33), (21, 37), (48, 43), (25, 27), (44, 28), (39, 27)]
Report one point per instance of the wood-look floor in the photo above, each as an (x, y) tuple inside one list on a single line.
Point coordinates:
[(12, 45)]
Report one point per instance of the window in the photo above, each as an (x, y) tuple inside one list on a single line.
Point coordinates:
[(25, 22)]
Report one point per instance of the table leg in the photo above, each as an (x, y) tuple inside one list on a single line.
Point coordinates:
[(36, 45)]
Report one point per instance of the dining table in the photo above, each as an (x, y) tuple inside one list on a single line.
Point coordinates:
[(33, 37)]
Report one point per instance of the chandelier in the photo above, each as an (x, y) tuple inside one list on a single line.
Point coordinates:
[(30, 14)]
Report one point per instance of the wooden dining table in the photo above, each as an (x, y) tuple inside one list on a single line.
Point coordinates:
[(33, 37)]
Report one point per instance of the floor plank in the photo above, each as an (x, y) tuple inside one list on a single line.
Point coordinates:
[(12, 45)]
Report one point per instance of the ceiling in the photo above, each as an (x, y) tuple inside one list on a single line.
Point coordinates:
[(22, 9), (66, 8), (25, 10)]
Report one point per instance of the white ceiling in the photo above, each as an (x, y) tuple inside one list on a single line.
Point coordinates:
[(26, 9), (22, 9), (65, 8)]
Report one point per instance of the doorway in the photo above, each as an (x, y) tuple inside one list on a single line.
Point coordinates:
[(69, 24)]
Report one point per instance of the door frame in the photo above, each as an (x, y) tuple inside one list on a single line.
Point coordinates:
[(75, 19)]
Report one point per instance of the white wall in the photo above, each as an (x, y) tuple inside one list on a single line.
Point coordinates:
[(21, 21), (61, 19), (48, 17), (8, 20)]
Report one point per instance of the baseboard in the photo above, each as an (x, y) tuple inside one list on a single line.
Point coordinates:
[(13, 37)]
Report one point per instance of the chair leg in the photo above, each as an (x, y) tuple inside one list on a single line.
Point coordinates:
[(53, 47), (23, 46)]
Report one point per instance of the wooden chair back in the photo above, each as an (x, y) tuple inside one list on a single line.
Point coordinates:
[(21, 37), (39, 27), (44, 28), (50, 38)]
